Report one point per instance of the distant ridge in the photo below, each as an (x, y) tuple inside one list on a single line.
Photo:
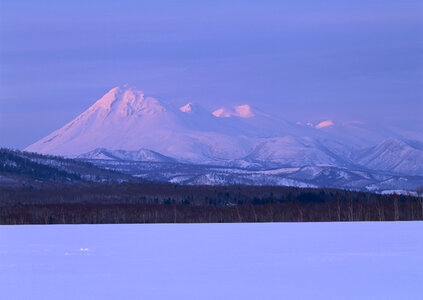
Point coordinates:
[(138, 155)]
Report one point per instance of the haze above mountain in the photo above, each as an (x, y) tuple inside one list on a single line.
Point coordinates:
[(126, 124)]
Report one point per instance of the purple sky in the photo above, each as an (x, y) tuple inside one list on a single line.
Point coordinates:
[(302, 60)]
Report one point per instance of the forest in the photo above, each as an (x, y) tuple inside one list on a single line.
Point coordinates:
[(100, 203)]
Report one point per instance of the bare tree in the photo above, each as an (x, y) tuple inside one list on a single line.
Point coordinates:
[(420, 194)]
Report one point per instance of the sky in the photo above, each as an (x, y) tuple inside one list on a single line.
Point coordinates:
[(301, 60)]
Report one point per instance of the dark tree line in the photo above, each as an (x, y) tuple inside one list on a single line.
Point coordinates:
[(167, 203)]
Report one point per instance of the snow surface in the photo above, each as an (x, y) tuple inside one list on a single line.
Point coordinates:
[(366, 260)]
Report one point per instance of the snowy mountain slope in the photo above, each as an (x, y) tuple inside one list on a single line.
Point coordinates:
[(252, 122), (293, 151), (392, 155), (139, 155)]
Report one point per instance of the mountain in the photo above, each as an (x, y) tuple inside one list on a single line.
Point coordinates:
[(393, 155), (293, 151), (256, 174), (126, 119), (125, 125), (242, 111), (139, 155)]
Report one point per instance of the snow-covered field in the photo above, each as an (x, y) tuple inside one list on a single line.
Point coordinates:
[(213, 261)]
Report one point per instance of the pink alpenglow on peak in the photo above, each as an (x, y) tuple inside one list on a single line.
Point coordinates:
[(186, 108), (222, 113), (126, 100), (326, 123), (242, 111)]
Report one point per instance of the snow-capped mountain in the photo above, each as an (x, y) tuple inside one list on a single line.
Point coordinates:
[(392, 155), (294, 151), (138, 155), (127, 125), (126, 119)]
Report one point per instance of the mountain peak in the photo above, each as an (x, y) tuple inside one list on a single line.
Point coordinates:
[(392, 142), (323, 124), (242, 111), (186, 108), (127, 100), (119, 93), (195, 110)]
